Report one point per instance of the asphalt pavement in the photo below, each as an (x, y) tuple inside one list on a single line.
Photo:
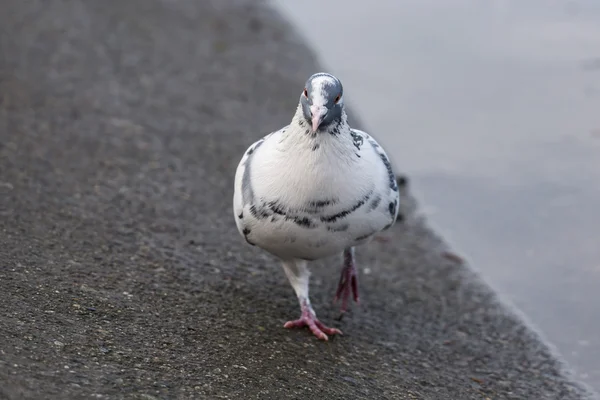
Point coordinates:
[(122, 274)]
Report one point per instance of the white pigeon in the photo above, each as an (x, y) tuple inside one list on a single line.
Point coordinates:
[(313, 189)]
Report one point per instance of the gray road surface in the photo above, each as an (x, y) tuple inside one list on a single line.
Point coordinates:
[(122, 275), (491, 107)]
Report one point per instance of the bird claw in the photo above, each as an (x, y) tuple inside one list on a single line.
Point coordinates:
[(308, 318), (316, 327)]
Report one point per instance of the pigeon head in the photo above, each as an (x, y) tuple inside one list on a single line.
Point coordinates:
[(322, 101)]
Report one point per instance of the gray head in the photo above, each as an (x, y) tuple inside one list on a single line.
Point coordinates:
[(322, 101)]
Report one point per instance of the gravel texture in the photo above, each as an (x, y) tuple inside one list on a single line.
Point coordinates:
[(122, 275)]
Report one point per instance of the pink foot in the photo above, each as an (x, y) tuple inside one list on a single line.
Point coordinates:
[(308, 318), (348, 281)]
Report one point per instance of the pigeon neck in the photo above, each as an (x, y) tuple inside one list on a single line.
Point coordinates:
[(336, 139), (334, 129)]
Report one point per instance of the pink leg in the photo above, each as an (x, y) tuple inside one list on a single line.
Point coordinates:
[(348, 280), (308, 318)]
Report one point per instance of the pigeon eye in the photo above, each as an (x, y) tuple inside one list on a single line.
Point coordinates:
[(337, 99), (305, 92)]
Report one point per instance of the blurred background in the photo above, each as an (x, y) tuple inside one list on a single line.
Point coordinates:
[(492, 108)]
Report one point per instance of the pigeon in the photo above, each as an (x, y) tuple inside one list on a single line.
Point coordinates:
[(315, 188)]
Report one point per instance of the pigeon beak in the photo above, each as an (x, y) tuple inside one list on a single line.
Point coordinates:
[(318, 113)]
